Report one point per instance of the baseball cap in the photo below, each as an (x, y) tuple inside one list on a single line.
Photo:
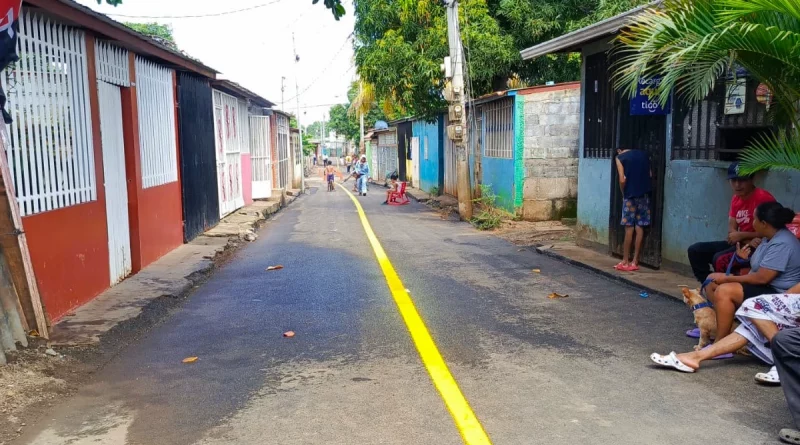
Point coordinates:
[(733, 172)]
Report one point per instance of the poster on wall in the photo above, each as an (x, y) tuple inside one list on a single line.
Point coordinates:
[(646, 103), (735, 91)]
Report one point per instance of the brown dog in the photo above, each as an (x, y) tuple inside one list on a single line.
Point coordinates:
[(704, 317)]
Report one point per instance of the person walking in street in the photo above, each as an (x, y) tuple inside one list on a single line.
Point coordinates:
[(349, 162), (746, 197), (362, 170), (633, 167)]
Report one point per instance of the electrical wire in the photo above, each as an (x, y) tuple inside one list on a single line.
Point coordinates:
[(213, 14), (322, 73)]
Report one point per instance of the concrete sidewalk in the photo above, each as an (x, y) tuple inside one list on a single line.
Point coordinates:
[(652, 281), (173, 275)]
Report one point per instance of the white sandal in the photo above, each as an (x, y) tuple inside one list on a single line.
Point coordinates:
[(670, 361), (770, 378)]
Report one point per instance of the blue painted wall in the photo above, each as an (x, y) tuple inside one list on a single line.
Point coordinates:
[(594, 199), (429, 168), (498, 173), (697, 199)]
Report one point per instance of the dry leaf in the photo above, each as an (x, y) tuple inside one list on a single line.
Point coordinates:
[(34, 333), (288, 334), (278, 267), (555, 295), (537, 271), (190, 360)]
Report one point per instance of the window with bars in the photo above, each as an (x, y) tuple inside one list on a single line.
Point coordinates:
[(703, 131), (498, 125), (156, 102), (600, 105), (51, 155)]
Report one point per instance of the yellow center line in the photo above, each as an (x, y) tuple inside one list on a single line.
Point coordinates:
[(468, 425)]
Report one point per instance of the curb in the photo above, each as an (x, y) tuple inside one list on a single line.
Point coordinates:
[(604, 273)]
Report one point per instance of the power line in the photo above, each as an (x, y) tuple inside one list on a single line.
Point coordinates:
[(214, 14), (322, 73)]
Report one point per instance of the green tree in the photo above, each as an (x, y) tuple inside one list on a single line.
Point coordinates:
[(693, 43), (156, 31), (345, 119), (401, 44), (530, 22), (336, 7)]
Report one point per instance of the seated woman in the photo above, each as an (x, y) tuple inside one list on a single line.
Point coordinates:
[(774, 266), (761, 318), (771, 289)]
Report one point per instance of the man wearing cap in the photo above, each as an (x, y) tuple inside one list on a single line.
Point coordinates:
[(746, 197)]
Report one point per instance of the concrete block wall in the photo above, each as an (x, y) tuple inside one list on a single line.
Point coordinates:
[(550, 156)]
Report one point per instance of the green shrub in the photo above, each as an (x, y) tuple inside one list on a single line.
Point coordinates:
[(487, 216)]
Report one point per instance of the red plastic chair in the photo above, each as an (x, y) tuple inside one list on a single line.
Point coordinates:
[(399, 197)]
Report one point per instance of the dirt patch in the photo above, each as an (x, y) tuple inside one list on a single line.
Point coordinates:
[(530, 233), (31, 383)]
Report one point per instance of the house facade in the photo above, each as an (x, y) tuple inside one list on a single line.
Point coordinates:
[(690, 145)]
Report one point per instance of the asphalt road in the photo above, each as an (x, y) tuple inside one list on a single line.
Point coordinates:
[(535, 370)]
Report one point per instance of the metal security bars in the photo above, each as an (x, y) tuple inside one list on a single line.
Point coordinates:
[(244, 127), (229, 158), (498, 124), (599, 116), (155, 97), (387, 154), (51, 155), (112, 64), (283, 151), (260, 144)]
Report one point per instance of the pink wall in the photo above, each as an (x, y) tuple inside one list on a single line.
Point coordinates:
[(247, 179)]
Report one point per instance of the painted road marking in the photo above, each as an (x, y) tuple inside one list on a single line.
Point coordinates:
[(467, 423)]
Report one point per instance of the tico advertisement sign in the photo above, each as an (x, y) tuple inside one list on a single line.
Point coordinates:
[(645, 103)]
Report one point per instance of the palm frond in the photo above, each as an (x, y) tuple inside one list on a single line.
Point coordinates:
[(779, 152)]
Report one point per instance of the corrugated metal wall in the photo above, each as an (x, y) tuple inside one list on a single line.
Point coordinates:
[(198, 159)]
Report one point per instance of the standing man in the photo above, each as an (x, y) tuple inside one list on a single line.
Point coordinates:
[(362, 170), (746, 197), (633, 167), (349, 161)]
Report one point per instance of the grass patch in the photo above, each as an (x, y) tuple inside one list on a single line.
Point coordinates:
[(487, 216)]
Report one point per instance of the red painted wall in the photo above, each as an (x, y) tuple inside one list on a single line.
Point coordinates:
[(247, 179), (69, 251), (160, 223)]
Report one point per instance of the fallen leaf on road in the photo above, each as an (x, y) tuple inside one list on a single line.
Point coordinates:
[(537, 271), (190, 360), (34, 333), (555, 295), (288, 334), (278, 267)]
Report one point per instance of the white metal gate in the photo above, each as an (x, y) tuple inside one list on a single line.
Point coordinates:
[(415, 161), (450, 166), (119, 239), (387, 155), (283, 151), (229, 159), (260, 156)]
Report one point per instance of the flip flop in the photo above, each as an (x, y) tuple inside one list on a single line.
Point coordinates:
[(693, 333), (789, 435), (632, 268), (769, 378), (620, 266), (670, 361), (721, 356)]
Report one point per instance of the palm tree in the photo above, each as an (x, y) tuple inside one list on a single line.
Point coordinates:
[(694, 43)]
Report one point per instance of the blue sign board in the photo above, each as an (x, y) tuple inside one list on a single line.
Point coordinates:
[(645, 103)]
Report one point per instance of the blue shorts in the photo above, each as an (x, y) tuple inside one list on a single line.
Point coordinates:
[(636, 211), (330, 178)]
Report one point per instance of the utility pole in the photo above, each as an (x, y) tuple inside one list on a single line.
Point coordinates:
[(283, 88), (456, 94), (362, 147), (299, 126)]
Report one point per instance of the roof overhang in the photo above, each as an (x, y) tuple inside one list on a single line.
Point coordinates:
[(103, 25), (573, 41), (235, 89)]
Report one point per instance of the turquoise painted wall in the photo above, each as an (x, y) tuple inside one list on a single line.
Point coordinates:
[(594, 199), (429, 168), (505, 176)]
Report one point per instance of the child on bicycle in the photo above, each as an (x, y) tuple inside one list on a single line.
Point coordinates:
[(329, 174)]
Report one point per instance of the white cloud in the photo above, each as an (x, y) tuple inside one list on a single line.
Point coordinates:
[(254, 48)]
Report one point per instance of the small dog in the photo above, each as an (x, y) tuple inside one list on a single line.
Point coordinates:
[(705, 318)]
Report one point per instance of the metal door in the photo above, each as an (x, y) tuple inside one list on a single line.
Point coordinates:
[(415, 161), (283, 152), (260, 156), (229, 159), (450, 168), (119, 239), (646, 133)]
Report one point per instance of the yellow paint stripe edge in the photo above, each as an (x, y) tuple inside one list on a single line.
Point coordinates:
[(467, 423)]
